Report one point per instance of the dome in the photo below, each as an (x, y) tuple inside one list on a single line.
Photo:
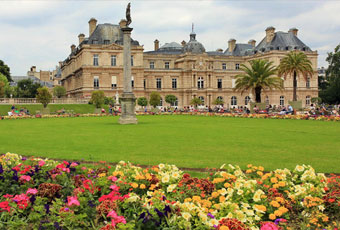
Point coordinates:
[(194, 46), (171, 46)]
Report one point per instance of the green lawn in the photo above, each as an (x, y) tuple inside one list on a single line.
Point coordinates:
[(187, 141), (77, 108)]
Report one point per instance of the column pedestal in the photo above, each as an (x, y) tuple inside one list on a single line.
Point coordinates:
[(128, 116)]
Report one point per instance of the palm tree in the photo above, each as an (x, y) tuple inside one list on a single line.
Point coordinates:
[(295, 63), (257, 77)]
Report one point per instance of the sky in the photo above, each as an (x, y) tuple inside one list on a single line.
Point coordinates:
[(40, 33)]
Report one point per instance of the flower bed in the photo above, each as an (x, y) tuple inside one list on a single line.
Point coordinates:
[(236, 115), (45, 194)]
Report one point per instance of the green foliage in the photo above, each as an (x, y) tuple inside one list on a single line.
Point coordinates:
[(196, 101), (331, 93), (218, 102), (155, 99), (3, 84), (171, 99), (109, 101), (316, 100), (44, 96), (27, 89), (142, 101), (257, 77), (5, 70), (98, 98), (59, 91), (295, 63)]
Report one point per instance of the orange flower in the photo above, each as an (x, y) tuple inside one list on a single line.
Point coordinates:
[(272, 216)]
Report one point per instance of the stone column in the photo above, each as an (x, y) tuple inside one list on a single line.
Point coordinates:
[(128, 98)]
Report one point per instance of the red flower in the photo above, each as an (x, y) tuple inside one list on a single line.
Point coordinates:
[(5, 206)]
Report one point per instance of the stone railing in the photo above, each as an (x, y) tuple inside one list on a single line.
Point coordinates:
[(34, 101)]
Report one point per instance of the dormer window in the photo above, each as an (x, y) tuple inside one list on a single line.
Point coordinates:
[(94, 41), (287, 48), (106, 42), (278, 48)]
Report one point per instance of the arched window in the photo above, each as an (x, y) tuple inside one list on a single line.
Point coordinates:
[(246, 100), (202, 99), (282, 100), (308, 82), (114, 82), (200, 83), (132, 82), (308, 100), (267, 100), (233, 100), (220, 98)]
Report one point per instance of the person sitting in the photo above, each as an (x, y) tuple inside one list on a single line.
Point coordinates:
[(290, 110), (103, 110), (283, 111)]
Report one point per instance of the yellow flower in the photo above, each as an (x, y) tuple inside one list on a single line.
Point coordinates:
[(101, 174), (261, 168), (274, 204), (227, 185), (260, 208), (134, 185), (272, 216), (142, 186), (224, 228), (249, 171), (282, 183), (276, 186), (273, 180), (214, 194), (249, 165), (222, 199), (278, 213), (259, 173), (196, 198)]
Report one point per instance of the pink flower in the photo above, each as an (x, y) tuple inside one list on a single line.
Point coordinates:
[(31, 191), (114, 188), (269, 226), (41, 163), (72, 200), (4, 206), (112, 178), (25, 178), (74, 164), (115, 218), (83, 168)]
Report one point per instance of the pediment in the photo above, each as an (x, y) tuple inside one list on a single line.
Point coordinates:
[(114, 46)]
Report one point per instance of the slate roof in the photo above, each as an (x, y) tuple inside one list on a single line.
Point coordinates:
[(282, 41), (16, 79), (193, 46), (168, 48), (240, 50)]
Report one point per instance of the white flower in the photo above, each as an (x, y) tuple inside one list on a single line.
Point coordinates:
[(222, 191), (321, 208), (186, 216), (175, 175), (257, 195), (299, 168), (239, 192), (213, 222), (230, 215), (161, 166), (166, 178), (171, 187)]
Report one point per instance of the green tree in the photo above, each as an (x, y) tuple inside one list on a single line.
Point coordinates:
[(27, 89), (109, 101), (3, 85), (142, 101), (295, 63), (218, 101), (196, 101), (97, 98), (171, 99), (5, 70), (44, 96), (257, 77), (331, 93), (59, 91), (155, 99)]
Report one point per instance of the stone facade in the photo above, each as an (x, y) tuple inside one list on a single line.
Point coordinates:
[(185, 70)]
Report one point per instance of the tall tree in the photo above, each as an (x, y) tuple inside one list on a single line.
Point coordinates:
[(196, 101), (171, 99), (3, 84), (258, 76), (27, 89), (295, 63), (5, 70), (142, 101), (155, 99), (44, 96), (59, 91)]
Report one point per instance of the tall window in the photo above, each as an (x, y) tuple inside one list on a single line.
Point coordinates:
[(202, 99), (158, 83), (152, 65), (233, 100), (132, 82), (224, 65), (282, 100), (144, 83), (114, 82), (131, 60), (246, 100), (113, 60), (174, 83), (95, 60), (96, 82), (219, 83), (161, 102), (308, 82), (200, 83), (237, 66), (308, 99), (220, 98), (166, 65)]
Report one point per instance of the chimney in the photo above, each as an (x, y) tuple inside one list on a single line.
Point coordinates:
[(156, 44), (270, 32), (252, 42), (219, 50), (92, 25), (81, 38), (73, 47), (183, 43), (293, 31), (33, 68), (60, 64), (231, 45)]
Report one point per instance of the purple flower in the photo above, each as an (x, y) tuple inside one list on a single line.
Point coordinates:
[(47, 207), (1, 169), (24, 158), (211, 215), (66, 209)]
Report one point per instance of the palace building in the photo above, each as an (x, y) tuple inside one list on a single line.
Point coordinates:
[(185, 70)]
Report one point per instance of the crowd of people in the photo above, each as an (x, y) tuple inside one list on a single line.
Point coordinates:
[(18, 112)]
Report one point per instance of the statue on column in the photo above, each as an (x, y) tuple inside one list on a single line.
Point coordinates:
[(128, 15)]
